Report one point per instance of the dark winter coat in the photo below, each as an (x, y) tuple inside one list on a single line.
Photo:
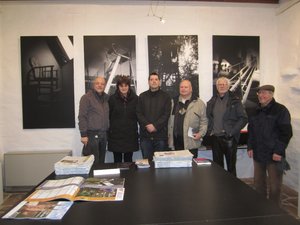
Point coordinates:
[(269, 131), (234, 119), (123, 130), (154, 108)]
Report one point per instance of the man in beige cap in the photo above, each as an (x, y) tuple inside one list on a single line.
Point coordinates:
[(269, 132)]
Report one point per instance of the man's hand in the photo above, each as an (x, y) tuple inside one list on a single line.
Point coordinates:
[(150, 128), (276, 157), (84, 140), (250, 153), (197, 136)]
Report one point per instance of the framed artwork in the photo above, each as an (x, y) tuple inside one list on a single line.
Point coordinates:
[(174, 58), (237, 58), (47, 82), (109, 56)]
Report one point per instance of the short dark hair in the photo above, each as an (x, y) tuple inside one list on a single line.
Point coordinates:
[(122, 79), (153, 74)]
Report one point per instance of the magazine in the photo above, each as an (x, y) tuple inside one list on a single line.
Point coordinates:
[(54, 210), (80, 189), (202, 161)]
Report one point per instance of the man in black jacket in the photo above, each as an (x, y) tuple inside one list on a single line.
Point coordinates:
[(153, 112), (269, 132), (226, 117)]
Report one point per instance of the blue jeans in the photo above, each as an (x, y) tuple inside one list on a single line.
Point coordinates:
[(150, 146)]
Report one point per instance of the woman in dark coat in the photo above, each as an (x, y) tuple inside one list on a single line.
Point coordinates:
[(123, 130)]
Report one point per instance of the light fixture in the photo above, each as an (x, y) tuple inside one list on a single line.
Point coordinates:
[(162, 20), (154, 11)]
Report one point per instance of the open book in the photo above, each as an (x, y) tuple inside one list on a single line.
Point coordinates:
[(80, 189), (54, 210)]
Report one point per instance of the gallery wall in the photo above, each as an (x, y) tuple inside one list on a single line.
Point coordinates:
[(288, 88), (202, 19)]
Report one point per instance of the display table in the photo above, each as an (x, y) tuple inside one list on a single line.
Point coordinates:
[(198, 195)]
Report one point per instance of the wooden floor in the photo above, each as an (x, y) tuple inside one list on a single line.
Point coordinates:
[(289, 200)]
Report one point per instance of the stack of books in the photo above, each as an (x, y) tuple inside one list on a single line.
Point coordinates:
[(74, 165), (168, 159)]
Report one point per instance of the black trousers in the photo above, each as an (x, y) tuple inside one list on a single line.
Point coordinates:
[(118, 156), (96, 145), (225, 146)]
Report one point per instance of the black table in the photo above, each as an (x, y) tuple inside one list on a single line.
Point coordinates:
[(204, 195)]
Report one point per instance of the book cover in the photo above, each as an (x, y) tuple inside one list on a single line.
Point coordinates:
[(142, 163), (39, 210), (173, 155), (202, 161)]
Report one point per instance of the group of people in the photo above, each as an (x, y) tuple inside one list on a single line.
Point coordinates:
[(111, 122)]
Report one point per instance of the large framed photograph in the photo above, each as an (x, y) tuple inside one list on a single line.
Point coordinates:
[(174, 58), (109, 56), (237, 58), (47, 82)]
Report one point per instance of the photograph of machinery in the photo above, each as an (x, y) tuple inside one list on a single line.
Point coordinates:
[(237, 58), (109, 56)]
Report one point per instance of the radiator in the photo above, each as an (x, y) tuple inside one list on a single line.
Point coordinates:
[(23, 170)]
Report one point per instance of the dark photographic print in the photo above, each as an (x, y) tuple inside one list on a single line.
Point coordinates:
[(47, 82), (237, 58), (109, 56), (174, 58)]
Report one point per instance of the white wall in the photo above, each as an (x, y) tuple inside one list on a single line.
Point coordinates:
[(202, 19), (288, 87)]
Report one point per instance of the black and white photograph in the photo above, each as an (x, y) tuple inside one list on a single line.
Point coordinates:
[(109, 56), (174, 58), (237, 58), (47, 82)]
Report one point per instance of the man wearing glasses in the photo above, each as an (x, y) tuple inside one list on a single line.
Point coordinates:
[(269, 132)]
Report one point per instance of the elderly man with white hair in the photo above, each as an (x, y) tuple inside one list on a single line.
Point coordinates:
[(226, 117)]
